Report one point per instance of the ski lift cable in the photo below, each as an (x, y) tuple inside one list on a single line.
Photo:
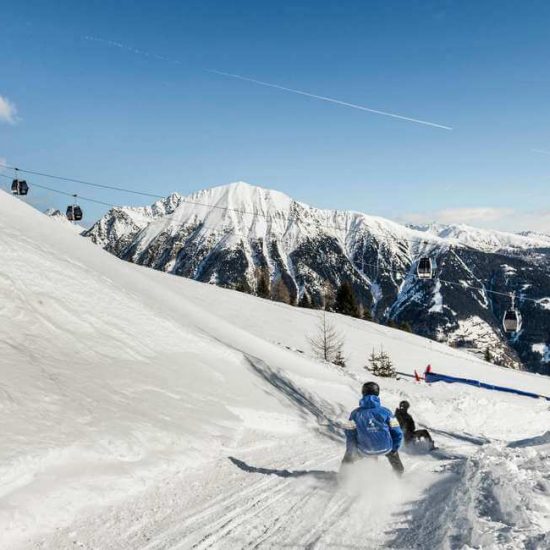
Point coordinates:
[(225, 208), (66, 194), (507, 294), (154, 195), (481, 283), (374, 265), (83, 182), (482, 288), (74, 195)]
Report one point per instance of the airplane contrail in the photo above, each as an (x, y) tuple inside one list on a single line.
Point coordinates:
[(131, 49), (540, 151), (144, 53), (330, 99)]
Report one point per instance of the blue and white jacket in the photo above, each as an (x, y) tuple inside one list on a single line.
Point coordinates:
[(373, 429)]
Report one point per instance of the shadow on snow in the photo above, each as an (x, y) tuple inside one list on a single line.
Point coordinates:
[(317, 474)]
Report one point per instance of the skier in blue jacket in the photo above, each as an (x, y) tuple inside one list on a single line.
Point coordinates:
[(373, 430)]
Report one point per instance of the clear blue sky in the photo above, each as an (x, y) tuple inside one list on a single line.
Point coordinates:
[(160, 122)]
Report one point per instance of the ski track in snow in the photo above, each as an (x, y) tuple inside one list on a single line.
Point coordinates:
[(256, 510), (142, 411)]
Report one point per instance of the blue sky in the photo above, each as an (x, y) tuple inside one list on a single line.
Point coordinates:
[(150, 116)]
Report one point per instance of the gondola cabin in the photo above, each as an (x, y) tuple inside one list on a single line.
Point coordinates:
[(74, 213), (512, 321), (424, 268), (19, 187)]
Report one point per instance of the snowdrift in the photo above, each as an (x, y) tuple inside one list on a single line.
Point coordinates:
[(124, 392)]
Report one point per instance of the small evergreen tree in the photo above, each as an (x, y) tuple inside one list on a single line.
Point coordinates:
[(488, 357), (345, 302), (339, 359), (242, 286), (405, 326), (380, 364), (262, 282), (365, 313), (305, 300)]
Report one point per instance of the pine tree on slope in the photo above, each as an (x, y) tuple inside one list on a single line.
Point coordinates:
[(345, 300)]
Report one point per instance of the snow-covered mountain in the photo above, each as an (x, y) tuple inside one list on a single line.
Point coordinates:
[(488, 240), (233, 235), (144, 411)]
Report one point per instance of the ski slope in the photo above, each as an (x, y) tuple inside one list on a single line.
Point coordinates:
[(146, 411)]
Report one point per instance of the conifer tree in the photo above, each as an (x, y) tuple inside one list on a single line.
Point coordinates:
[(365, 313), (345, 300), (305, 300), (243, 286), (339, 359), (380, 364), (262, 282)]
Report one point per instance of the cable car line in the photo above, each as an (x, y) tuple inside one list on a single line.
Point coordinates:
[(425, 269), (65, 193), (364, 229), (83, 182), (512, 319), (226, 208)]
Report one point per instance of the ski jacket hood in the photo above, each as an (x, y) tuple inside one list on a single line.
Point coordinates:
[(369, 402)]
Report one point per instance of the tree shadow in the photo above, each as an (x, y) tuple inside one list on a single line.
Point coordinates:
[(317, 474), (531, 441), (323, 411)]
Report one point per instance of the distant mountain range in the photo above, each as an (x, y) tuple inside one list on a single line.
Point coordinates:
[(237, 234)]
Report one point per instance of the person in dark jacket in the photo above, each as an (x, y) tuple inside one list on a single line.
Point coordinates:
[(408, 426), (373, 430)]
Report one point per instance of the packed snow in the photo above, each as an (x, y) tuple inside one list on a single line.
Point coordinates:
[(147, 411)]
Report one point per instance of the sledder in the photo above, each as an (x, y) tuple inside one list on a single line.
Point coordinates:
[(373, 431), (406, 421)]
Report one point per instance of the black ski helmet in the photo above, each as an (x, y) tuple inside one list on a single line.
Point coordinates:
[(371, 388), (404, 405)]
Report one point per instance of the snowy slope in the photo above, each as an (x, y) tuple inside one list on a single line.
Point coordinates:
[(143, 410)]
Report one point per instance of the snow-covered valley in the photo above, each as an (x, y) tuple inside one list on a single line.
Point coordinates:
[(146, 411)]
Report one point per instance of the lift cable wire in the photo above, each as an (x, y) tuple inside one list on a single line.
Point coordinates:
[(256, 214), (73, 180), (374, 265), (423, 240), (80, 197)]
